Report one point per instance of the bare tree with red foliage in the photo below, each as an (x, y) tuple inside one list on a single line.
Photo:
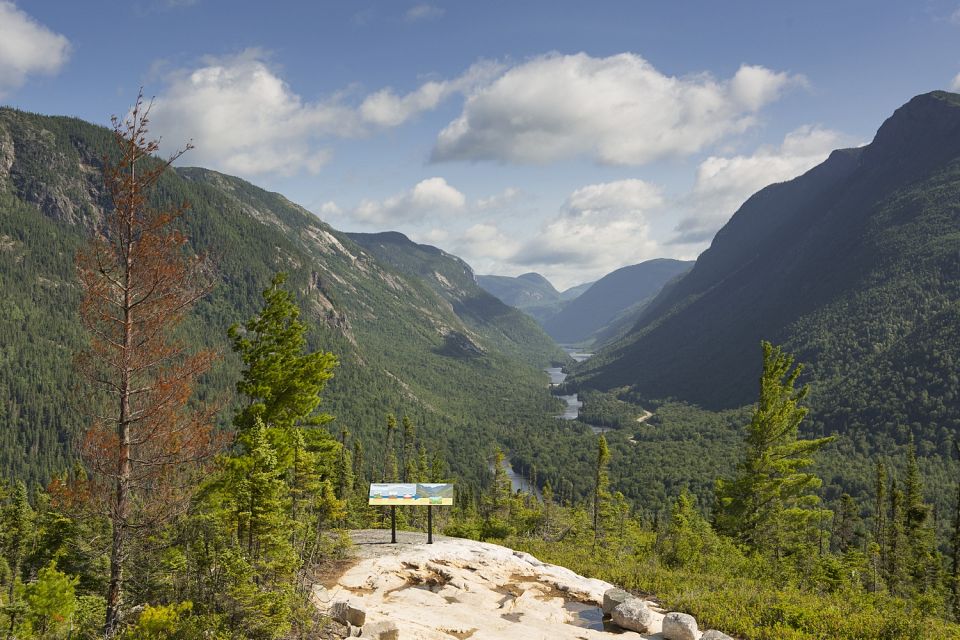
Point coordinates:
[(139, 280)]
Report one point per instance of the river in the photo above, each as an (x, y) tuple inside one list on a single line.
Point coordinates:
[(557, 376)]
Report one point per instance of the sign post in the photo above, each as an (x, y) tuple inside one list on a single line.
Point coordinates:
[(395, 494)]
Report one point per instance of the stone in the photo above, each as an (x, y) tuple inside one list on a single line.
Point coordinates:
[(680, 626), (383, 630), (613, 597), (713, 634), (633, 615), (347, 612)]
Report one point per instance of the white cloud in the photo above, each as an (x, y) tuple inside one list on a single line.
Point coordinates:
[(617, 110), (955, 16), (724, 183), (599, 228), (26, 48), (329, 209), (500, 200), (244, 118), (487, 240), (423, 11), (955, 85), (387, 109), (429, 198)]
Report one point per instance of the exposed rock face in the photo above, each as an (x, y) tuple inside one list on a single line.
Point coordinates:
[(680, 626), (468, 589), (634, 615)]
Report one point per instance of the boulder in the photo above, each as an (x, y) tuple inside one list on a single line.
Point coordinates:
[(633, 615), (613, 597), (713, 634), (680, 626), (347, 612), (383, 630)]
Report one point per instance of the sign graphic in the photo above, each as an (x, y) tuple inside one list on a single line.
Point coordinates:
[(409, 493)]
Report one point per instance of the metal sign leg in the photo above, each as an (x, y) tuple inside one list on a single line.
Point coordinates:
[(429, 524), (393, 524)]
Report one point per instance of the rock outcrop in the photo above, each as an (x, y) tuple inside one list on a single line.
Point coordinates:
[(467, 589)]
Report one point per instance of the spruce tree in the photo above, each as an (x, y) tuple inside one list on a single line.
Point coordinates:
[(771, 505), (390, 471), (601, 491)]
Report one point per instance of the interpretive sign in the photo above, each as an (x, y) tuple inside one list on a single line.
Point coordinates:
[(410, 493)]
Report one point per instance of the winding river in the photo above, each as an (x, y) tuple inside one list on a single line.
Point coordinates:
[(557, 376)]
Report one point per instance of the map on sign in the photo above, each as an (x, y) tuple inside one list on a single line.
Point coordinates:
[(410, 493)]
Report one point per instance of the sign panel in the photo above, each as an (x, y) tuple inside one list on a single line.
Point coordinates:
[(409, 493)]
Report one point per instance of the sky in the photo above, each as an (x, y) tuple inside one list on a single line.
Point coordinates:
[(566, 138)]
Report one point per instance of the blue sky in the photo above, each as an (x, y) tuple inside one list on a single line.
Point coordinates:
[(558, 137)]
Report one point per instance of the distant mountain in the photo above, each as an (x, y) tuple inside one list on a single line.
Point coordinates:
[(854, 267), (614, 298), (530, 292), (453, 279), (463, 366)]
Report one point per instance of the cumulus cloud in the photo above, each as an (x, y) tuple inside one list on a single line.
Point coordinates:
[(423, 11), (27, 48), (244, 118), (487, 240), (499, 201), (617, 110), (429, 198), (600, 227), (387, 109), (955, 85), (723, 183)]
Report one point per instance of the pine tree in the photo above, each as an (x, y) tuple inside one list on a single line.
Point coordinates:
[(897, 549), (409, 462), (139, 280), (601, 491), (923, 561), (771, 504), (281, 382), (390, 471), (880, 513)]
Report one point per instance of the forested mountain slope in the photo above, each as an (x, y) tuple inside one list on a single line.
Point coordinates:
[(854, 267), (530, 292), (453, 280), (614, 294), (391, 330)]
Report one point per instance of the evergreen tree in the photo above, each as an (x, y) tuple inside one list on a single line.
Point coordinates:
[(771, 505), (880, 513), (922, 557), (281, 383), (601, 491), (897, 549), (390, 471), (409, 462)]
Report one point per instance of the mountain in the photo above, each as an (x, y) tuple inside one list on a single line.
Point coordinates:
[(853, 267), (403, 347), (614, 298), (530, 292), (453, 280)]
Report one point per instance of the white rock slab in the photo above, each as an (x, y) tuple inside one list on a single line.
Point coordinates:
[(467, 589)]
